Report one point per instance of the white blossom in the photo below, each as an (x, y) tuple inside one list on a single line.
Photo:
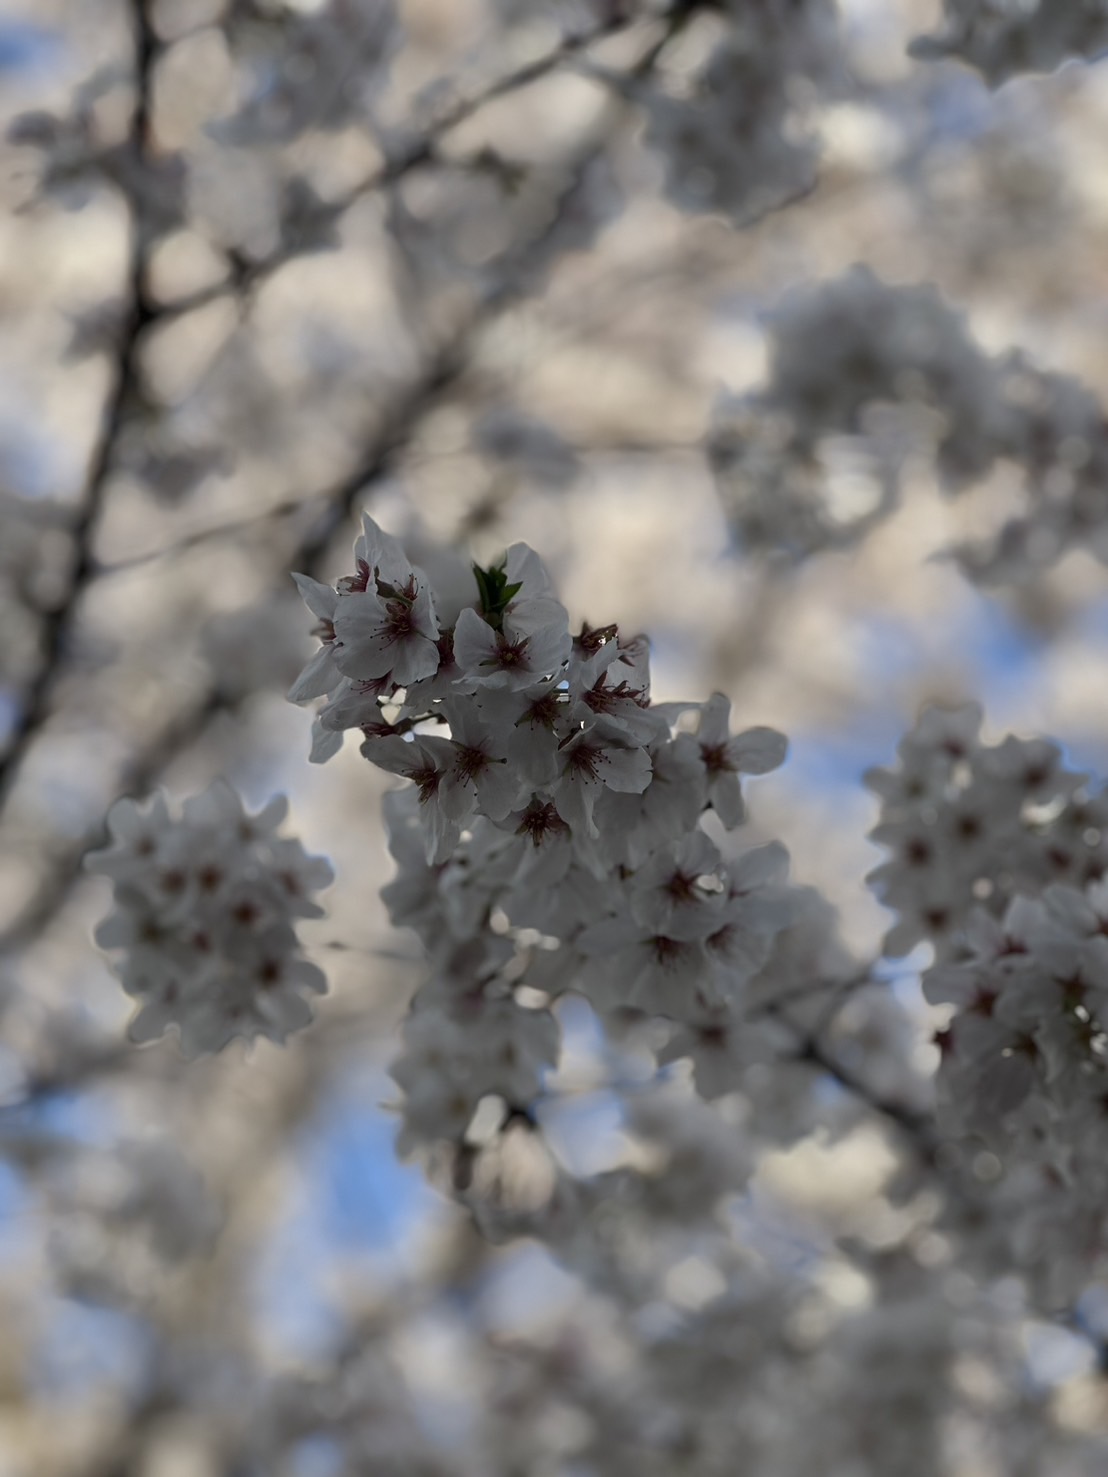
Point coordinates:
[(203, 912), (517, 815)]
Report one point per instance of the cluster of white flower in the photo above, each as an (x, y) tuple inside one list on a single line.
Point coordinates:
[(1054, 428), (1024, 1076), (1003, 38), (997, 856), (861, 374), (551, 841), (856, 370), (971, 825), (205, 910), (873, 1391), (736, 144), (854, 341)]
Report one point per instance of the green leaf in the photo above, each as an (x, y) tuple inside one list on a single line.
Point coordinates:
[(496, 594)]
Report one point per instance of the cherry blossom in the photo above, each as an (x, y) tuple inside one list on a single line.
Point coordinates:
[(202, 914)]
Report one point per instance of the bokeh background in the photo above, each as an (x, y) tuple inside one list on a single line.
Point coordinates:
[(515, 334)]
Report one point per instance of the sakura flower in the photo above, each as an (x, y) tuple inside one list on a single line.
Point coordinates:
[(479, 777), (754, 909), (325, 743), (541, 850), (596, 760), (353, 704), (298, 875), (722, 1047), (525, 649), (220, 808), (520, 635), (724, 758), (633, 825), (426, 760), (735, 146), (207, 944), (412, 898), (615, 682), (673, 894), (321, 674), (387, 632), (531, 726), (536, 601), (377, 556), (452, 1060), (550, 842), (138, 831), (700, 1157), (1004, 40), (967, 822), (635, 965)]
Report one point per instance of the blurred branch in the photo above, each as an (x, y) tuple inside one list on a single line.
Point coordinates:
[(422, 150), (408, 412), (58, 623), (188, 726), (286, 508), (917, 1127), (442, 369), (834, 994), (289, 507), (141, 312)]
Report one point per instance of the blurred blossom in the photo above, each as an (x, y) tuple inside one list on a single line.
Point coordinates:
[(203, 911)]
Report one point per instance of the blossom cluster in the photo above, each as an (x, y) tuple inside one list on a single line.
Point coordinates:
[(837, 351), (549, 839), (1003, 38), (1024, 1077), (861, 375), (996, 858), (971, 826), (737, 143), (205, 912)]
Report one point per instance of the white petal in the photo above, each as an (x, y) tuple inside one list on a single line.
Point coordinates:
[(321, 600), (317, 678), (626, 770), (757, 750)]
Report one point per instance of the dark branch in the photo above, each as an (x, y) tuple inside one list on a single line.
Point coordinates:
[(139, 312)]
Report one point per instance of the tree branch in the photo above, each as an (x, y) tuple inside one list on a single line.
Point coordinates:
[(422, 150), (58, 623)]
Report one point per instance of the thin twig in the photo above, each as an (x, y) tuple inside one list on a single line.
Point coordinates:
[(917, 1127), (286, 508)]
